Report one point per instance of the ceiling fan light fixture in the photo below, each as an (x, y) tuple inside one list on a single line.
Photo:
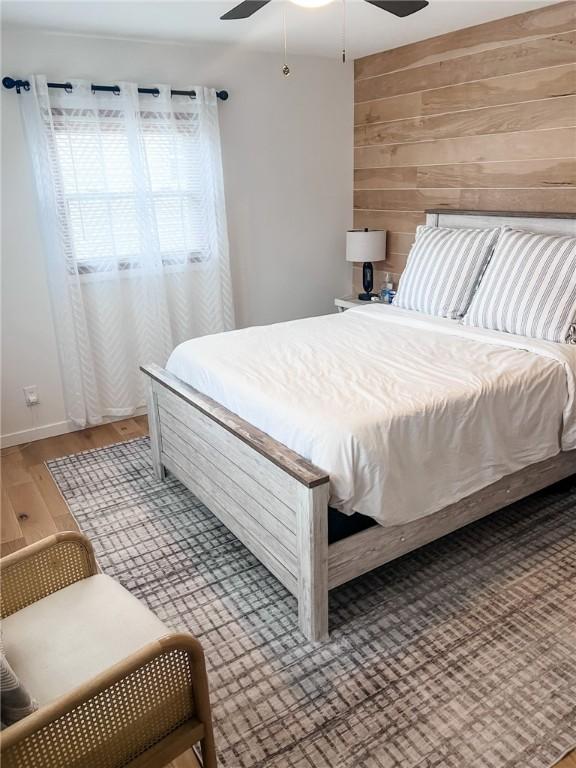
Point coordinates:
[(311, 3)]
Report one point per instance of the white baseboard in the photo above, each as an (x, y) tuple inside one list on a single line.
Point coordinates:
[(52, 430), (36, 433)]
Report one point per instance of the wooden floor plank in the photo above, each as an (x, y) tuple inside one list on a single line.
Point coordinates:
[(187, 760), (143, 422), (13, 468), (33, 515), (28, 489), (10, 529), (98, 437), (51, 447), (53, 499), (130, 428), (7, 547), (66, 523)]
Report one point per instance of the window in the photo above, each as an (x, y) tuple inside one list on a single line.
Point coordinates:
[(125, 195)]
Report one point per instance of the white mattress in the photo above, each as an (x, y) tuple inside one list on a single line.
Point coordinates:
[(407, 413)]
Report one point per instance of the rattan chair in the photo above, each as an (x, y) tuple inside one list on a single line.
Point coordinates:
[(142, 712)]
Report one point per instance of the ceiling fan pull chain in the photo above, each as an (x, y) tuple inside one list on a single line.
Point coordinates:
[(285, 68), (343, 31)]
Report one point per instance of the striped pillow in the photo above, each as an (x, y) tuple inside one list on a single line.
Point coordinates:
[(529, 288), (443, 269), (16, 702)]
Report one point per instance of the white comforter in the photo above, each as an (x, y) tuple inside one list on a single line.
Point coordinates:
[(407, 413)]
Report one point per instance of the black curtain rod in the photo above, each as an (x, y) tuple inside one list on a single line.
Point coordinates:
[(9, 82)]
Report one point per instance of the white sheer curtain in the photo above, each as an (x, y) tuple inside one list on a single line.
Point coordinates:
[(133, 222)]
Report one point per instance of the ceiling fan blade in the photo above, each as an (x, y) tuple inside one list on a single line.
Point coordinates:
[(399, 7), (244, 10)]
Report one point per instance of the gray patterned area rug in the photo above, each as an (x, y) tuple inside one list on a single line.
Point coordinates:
[(460, 655)]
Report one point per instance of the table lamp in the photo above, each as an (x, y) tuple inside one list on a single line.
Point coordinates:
[(366, 246)]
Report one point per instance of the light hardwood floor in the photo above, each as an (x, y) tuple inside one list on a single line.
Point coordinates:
[(32, 507)]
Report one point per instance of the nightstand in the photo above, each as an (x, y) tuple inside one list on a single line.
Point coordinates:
[(347, 302)]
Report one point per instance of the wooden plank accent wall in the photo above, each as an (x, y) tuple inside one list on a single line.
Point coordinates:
[(482, 118)]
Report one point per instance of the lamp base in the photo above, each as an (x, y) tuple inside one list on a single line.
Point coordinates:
[(365, 296)]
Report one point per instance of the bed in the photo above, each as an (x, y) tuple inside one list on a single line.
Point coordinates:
[(246, 420)]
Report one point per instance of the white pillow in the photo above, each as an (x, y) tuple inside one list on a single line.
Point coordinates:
[(444, 268), (529, 287)]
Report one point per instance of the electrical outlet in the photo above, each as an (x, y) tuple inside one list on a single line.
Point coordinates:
[(31, 395)]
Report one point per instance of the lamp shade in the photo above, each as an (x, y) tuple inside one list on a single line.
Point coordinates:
[(366, 245)]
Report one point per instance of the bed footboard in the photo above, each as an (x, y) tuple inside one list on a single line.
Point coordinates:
[(268, 496)]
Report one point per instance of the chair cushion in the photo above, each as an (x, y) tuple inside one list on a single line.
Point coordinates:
[(65, 639)]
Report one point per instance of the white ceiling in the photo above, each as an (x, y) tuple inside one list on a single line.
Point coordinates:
[(310, 31)]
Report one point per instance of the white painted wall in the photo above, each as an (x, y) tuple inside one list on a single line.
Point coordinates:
[(287, 149)]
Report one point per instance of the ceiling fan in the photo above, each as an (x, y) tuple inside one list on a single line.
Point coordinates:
[(397, 7)]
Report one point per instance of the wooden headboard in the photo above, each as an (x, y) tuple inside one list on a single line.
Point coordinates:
[(546, 223)]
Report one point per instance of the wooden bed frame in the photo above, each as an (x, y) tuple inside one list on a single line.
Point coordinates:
[(276, 502)]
